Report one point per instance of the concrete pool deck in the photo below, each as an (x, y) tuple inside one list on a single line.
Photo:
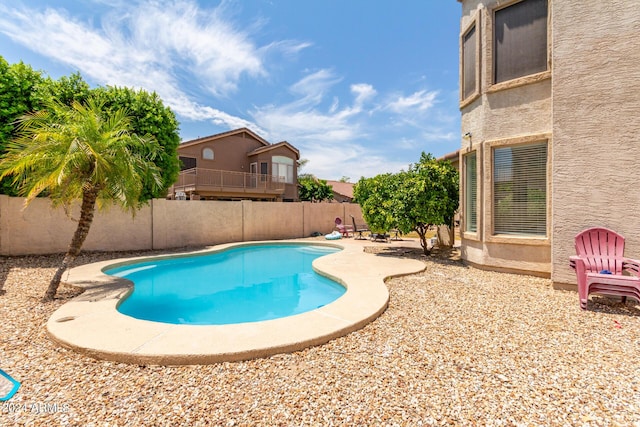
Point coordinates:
[(90, 323)]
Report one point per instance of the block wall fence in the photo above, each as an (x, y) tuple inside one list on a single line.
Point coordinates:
[(163, 224)]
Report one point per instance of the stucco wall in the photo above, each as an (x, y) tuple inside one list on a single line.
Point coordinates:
[(40, 229), (195, 223), (596, 124), (230, 152), (514, 113)]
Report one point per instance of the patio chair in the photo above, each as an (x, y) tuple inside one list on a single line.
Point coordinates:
[(601, 267), (359, 228), (343, 228), (382, 237)]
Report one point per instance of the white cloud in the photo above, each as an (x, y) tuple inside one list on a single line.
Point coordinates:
[(364, 92), (417, 102), (304, 120), (148, 45), (313, 87)]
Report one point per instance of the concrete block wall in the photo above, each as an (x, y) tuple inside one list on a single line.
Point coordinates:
[(163, 224)]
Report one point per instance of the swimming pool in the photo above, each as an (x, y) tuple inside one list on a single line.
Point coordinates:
[(242, 284), (91, 324)]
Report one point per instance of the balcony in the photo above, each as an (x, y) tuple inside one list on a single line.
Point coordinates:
[(226, 184)]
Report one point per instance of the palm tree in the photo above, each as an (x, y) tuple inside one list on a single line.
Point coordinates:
[(79, 152)]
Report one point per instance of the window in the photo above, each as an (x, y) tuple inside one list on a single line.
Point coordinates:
[(469, 76), (282, 169), (520, 189), (520, 40), (207, 154), (187, 162), (264, 170), (471, 193)]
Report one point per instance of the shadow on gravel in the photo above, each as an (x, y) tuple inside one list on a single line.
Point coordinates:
[(448, 256), (613, 305)]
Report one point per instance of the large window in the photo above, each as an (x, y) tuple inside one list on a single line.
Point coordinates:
[(520, 40), (187, 162), (469, 77), (282, 169), (470, 193), (520, 189)]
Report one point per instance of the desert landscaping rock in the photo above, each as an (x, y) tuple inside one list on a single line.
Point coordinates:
[(456, 346)]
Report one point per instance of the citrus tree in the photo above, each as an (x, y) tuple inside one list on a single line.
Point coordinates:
[(413, 200), (79, 152), (427, 195), (376, 197)]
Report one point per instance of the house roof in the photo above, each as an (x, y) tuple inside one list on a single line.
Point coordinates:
[(277, 145), (453, 156), (343, 188), (225, 134)]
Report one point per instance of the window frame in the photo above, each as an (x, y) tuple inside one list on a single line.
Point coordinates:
[(492, 86), (474, 23), (528, 239)]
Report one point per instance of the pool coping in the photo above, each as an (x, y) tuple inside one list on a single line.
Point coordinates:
[(90, 323)]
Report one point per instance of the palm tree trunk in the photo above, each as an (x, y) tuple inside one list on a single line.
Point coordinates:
[(89, 197)]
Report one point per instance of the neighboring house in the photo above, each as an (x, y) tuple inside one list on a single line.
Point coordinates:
[(342, 191), (237, 165), (551, 130)]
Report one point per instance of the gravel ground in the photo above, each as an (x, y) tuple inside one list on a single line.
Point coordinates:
[(457, 346)]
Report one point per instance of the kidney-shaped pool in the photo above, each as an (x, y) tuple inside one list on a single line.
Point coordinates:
[(237, 285)]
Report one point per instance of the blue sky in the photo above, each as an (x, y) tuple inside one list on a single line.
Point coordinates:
[(360, 87)]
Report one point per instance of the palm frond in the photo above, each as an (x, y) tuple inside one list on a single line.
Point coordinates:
[(64, 150)]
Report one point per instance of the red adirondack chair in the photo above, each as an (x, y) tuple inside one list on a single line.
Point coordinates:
[(601, 267)]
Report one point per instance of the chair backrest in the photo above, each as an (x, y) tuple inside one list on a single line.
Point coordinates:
[(602, 249), (338, 221)]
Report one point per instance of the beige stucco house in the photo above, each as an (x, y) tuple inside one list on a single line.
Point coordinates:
[(550, 102), (237, 165)]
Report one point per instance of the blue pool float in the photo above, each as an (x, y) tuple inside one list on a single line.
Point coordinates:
[(333, 236), (14, 388)]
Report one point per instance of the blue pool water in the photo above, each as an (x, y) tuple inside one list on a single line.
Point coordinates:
[(242, 284)]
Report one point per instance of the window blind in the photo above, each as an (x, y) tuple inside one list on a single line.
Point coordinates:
[(520, 40), (520, 189), (471, 190), (469, 63)]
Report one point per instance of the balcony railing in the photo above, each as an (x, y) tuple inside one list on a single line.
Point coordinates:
[(201, 180)]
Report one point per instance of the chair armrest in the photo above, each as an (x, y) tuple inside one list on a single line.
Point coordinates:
[(574, 260), (578, 264), (631, 265)]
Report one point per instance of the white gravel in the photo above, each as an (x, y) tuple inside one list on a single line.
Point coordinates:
[(457, 346)]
